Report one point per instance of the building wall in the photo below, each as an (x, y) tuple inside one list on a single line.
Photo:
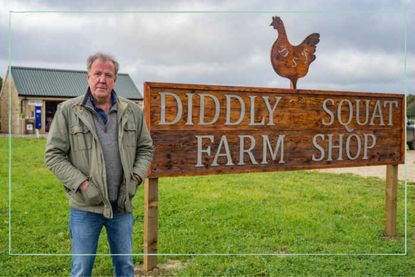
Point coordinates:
[(139, 102), (16, 126), (23, 110)]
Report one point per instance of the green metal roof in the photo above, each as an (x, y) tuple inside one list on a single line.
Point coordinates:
[(44, 82)]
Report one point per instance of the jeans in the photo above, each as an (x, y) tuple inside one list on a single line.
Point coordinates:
[(85, 228)]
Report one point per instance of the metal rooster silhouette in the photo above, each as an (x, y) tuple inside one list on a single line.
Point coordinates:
[(291, 61)]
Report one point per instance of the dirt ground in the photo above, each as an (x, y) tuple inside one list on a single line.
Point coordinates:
[(380, 171), (161, 270)]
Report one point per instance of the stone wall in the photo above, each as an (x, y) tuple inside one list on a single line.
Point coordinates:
[(16, 122)]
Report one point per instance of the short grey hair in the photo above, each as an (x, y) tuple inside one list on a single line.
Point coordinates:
[(104, 57)]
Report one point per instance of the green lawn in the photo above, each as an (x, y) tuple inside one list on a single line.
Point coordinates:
[(261, 213)]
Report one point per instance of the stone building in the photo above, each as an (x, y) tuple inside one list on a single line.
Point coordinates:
[(36, 92)]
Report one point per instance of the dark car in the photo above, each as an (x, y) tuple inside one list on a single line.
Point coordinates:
[(410, 134)]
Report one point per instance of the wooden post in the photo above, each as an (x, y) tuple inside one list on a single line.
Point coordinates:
[(150, 223), (391, 200)]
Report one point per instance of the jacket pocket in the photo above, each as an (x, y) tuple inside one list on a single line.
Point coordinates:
[(91, 195), (132, 188), (130, 134), (82, 137)]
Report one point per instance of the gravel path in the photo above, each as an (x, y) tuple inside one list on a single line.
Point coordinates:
[(380, 171)]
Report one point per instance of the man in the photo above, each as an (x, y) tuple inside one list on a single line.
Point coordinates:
[(100, 149)]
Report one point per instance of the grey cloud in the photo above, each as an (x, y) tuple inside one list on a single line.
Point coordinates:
[(230, 49)]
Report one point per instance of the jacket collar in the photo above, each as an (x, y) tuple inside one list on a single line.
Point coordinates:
[(88, 96), (121, 103)]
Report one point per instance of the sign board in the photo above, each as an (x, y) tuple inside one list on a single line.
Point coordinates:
[(203, 129), (37, 103)]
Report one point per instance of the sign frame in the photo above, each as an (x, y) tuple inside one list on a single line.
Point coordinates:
[(151, 183)]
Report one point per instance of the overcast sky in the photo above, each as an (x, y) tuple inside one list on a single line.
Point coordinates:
[(361, 45)]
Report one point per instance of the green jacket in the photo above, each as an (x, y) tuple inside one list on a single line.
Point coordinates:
[(74, 154)]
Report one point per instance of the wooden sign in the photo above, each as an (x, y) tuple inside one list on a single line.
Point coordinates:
[(201, 129)]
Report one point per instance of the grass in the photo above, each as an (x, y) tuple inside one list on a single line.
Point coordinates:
[(261, 213)]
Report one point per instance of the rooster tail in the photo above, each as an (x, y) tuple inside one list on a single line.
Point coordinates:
[(312, 40)]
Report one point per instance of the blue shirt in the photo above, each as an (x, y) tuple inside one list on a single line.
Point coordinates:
[(100, 111)]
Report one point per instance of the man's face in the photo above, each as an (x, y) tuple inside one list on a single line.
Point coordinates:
[(101, 79)]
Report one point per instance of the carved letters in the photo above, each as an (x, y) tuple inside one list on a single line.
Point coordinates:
[(200, 129)]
